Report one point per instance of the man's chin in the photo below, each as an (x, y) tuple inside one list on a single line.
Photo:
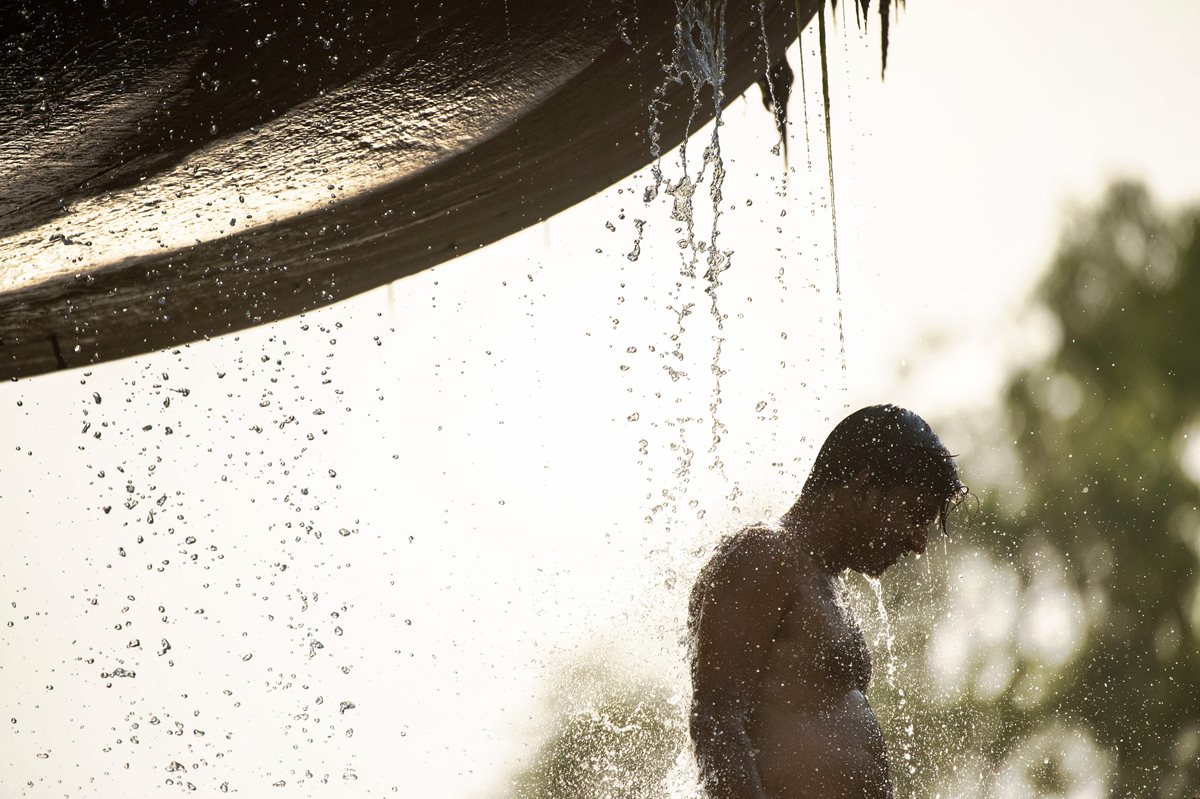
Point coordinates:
[(874, 564)]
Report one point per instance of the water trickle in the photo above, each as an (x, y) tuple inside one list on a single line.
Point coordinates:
[(885, 632), (698, 59), (636, 252), (837, 264), (776, 84), (700, 43), (803, 87), (903, 719)]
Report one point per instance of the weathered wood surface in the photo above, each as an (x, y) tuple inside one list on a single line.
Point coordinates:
[(170, 172)]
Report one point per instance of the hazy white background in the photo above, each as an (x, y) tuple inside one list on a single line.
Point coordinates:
[(520, 481)]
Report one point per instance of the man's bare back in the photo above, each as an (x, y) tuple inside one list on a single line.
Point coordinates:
[(780, 669), (778, 654)]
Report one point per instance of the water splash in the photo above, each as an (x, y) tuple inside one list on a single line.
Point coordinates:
[(904, 720), (636, 252), (700, 44), (885, 632)]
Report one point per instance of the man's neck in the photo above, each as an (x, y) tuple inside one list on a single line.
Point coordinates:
[(808, 523)]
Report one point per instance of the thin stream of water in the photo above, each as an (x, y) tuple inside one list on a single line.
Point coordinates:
[(803, 88), (885, 632), (837, 263), (778, 103), (700, 57), (903, 717)]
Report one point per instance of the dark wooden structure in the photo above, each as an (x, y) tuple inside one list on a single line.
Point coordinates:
[(453, 124)]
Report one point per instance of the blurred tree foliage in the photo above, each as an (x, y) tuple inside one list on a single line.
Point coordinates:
[(1101, 429)]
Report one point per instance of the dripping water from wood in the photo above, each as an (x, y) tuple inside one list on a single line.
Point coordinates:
[(861, 11), (837, 262)]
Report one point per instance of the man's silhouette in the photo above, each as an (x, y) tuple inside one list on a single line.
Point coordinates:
[(779, 666)]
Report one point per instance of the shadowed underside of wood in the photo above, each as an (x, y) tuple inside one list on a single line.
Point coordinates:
[(238, 183)]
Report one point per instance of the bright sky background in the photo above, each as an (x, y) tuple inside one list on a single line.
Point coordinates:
[(481, 444)]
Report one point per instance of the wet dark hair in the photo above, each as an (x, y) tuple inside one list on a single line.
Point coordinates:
[(895, 446)]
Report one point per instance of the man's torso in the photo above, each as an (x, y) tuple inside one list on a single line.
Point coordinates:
[(814, 733)]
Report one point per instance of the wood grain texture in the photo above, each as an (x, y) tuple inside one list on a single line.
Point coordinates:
[(440, 136)]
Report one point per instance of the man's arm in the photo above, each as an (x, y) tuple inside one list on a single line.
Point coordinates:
[(736, 609)]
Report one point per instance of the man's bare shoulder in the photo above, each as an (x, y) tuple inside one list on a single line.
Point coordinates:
[(757, 556)]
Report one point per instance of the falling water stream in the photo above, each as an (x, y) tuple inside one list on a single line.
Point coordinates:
[(837, 262), (904, 719), (804, 95), (699, 59)]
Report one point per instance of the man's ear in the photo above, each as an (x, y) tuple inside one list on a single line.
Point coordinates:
[(861, 479), (866, 493)]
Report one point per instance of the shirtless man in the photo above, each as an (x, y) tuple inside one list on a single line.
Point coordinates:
[(779, 667)]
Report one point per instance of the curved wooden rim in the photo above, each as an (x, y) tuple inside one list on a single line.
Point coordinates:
[(587, 132)]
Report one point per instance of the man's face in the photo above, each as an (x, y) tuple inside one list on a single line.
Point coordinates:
[(887, 525)]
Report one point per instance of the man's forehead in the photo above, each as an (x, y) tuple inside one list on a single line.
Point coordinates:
[(907, 492), (910, 494)]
